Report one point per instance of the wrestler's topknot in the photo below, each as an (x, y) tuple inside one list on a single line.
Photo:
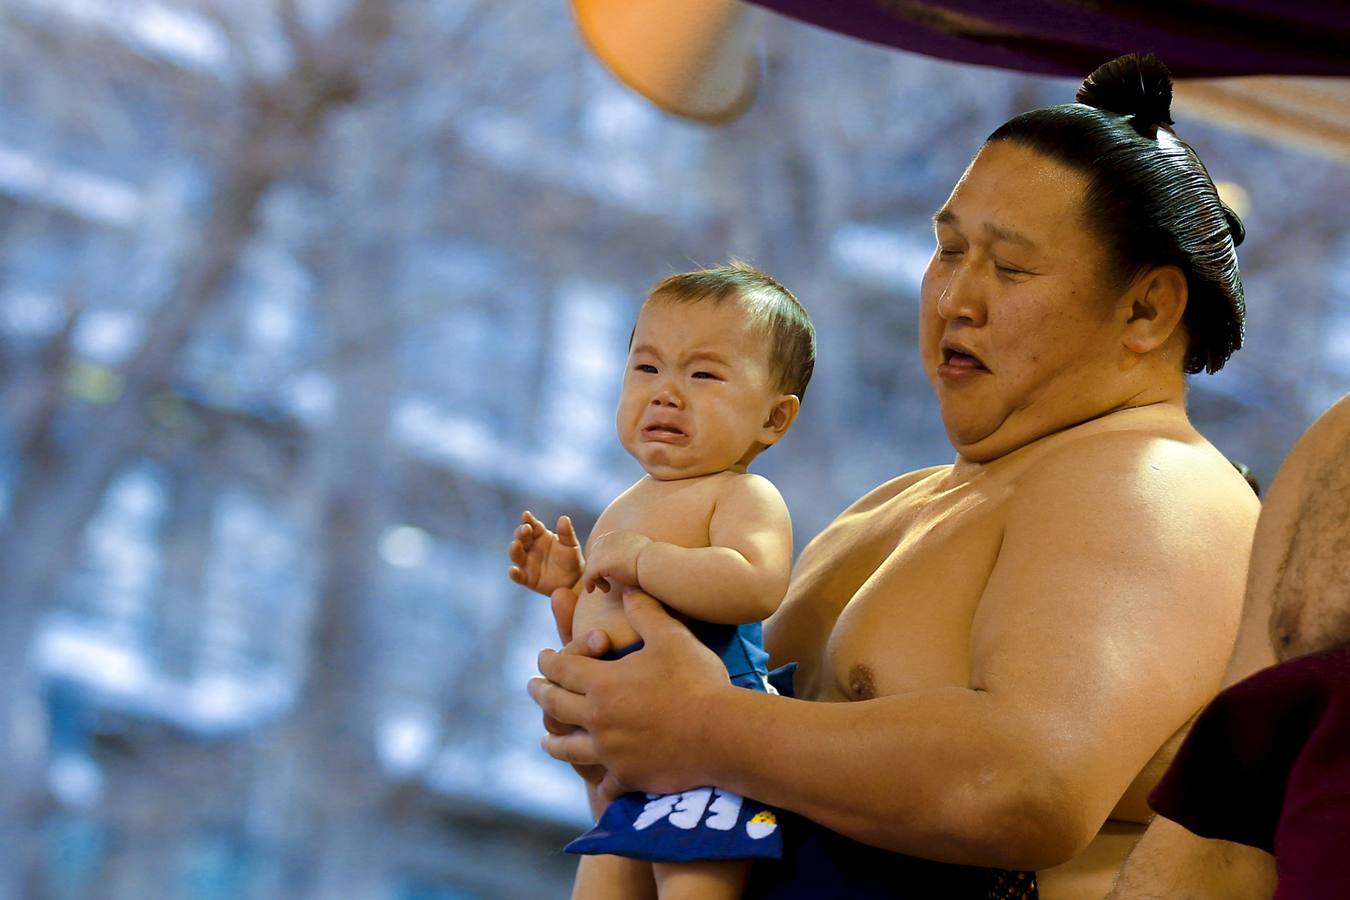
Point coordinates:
[(1150, 200)]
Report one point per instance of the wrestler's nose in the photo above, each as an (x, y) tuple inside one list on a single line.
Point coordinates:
[(963, 297)]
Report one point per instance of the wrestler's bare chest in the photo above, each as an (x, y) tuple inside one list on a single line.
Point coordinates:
[(883, 600)]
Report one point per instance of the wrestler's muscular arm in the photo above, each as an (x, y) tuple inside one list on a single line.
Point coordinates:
[(741, 577), (1104, 625), (1169, 861)]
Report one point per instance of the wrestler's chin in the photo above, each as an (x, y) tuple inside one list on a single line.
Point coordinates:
[(987, 439)]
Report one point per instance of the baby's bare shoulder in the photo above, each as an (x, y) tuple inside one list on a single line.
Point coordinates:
[(746, 485)]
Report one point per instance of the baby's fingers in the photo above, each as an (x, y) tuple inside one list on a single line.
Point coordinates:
[(537, 527), (567, 534)]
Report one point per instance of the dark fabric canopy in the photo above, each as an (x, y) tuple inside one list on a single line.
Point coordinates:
[(1073, 37)]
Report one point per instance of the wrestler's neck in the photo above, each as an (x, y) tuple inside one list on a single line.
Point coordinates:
[(1157, 404)]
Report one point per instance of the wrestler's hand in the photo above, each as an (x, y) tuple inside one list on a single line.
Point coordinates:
[(614, 556), (593, 644), (639, 716)]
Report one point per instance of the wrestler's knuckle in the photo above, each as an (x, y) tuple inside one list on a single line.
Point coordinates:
[(594, 718)]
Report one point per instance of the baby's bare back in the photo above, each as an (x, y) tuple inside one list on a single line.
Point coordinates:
[(673, 512)]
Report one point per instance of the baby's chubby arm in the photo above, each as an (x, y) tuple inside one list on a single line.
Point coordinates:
[(740, 578)]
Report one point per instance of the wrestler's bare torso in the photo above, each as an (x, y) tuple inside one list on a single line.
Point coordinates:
[(674, 512), (887, 599)]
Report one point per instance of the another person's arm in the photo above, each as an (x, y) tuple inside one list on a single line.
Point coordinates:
[(1170, 863), (740, 578), (1103, 626)]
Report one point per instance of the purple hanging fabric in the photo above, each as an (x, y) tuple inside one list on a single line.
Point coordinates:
[(1073, 37)]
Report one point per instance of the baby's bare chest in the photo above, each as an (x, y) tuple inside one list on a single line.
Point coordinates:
[(673, 513)]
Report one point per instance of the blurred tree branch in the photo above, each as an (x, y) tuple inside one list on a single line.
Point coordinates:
[(63, 477)]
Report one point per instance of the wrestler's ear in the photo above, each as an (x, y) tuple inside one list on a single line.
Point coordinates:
[(780, 418), (1152, 308)]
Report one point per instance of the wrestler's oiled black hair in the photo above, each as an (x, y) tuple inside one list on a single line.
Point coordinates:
[(769, 305), (1150, 200)]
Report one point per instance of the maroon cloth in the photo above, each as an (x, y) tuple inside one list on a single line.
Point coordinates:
[(1267, 764), (1196, 38)]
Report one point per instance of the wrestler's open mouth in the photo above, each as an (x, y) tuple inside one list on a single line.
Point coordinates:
[(959, 357)]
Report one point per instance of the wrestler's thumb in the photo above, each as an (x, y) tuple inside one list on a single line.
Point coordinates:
[(647, 616)]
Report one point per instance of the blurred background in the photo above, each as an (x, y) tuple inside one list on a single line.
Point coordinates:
[(303, 301)]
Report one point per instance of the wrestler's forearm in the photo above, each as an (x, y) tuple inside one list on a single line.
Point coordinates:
[(942, 773), (712, 584)]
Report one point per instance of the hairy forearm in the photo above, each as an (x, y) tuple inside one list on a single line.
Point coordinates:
[(943, 774), (712, 584), (1171, 862)]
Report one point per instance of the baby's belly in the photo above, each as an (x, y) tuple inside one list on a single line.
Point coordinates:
[(603, 611), (1089, 875)]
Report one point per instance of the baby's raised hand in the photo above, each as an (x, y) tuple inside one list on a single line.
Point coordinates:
[(614, 556), (543, 560)]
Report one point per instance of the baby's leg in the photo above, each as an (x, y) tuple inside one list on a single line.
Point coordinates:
[(713, 879), (602, 877)]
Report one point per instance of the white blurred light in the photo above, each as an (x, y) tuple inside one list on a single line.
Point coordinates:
[(876, 254), (137, 494), (176, 35), (107, 336), (220, 697), (95, 657), (405, 743), (83, 194), (405, 546), (311, 397), (75, 780), (31, 314), (273, 324)]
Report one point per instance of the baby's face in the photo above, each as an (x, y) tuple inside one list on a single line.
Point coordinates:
[(698, 390)]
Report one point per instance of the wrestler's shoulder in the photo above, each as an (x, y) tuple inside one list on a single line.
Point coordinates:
[(1142, 465), (888, 490)]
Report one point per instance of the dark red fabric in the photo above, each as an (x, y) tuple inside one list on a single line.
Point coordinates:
[(1267, 764), (1073, 37)]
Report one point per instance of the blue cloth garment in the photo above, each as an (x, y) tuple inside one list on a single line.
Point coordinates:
[(706, 823)]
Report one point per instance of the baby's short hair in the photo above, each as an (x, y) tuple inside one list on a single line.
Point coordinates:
[(769, 305)]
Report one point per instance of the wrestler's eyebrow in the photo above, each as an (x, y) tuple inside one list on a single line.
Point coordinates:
[(945, 216), (1003, 233)]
